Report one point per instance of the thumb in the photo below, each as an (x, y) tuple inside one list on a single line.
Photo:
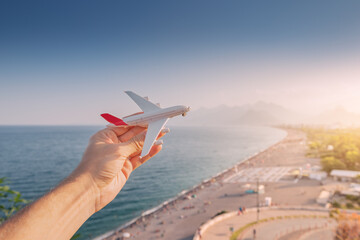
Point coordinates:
[(133, 146)]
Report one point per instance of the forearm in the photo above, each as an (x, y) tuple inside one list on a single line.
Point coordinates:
[(111, 156), (57, 215)]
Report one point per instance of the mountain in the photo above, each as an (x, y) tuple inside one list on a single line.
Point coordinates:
[(337, 116), (281, 114), (260, 113), (214, 116), (253, 117)]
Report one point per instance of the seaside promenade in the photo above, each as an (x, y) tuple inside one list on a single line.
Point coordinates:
[(274, 223), (181, 217)]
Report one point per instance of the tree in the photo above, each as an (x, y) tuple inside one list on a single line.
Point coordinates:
[(10, 201), (348, 226), (330, 163), (352, 158)]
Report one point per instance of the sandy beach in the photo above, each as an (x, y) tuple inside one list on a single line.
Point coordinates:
[(179, 218)]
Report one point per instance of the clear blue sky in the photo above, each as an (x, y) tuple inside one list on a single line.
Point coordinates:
[(66, 62)]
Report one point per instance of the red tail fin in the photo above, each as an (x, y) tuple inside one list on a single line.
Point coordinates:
[(114, 120)]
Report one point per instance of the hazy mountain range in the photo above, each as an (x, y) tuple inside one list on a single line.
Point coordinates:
[(262, 113)]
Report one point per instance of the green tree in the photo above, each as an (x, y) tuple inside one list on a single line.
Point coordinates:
[(352, 158), (330, 163), (10, 201)]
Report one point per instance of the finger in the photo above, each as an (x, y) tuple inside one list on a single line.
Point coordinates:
[(119, 130), (133, 146), (137, 161), (131, 133), (127, 169), (134, 132), (163, 132), (139, 143), (108, 135)]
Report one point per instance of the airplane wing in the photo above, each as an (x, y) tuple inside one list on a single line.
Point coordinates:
[(153, 131), (143, 103)]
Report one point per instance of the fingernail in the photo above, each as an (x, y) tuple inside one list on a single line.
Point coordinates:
[(158, 142), (165, 130)]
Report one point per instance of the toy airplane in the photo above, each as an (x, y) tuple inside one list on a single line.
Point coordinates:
[(153, 116)]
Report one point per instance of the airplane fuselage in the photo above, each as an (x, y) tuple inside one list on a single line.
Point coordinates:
[(144, 119)]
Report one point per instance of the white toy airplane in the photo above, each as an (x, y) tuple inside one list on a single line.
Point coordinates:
[(154, 117)]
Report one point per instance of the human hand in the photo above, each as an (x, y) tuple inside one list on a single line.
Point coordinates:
[(112, 154), (108, 161)]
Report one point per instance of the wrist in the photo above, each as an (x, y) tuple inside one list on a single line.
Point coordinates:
[(86, 186)]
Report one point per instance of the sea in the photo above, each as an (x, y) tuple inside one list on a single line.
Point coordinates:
[(34, 159)]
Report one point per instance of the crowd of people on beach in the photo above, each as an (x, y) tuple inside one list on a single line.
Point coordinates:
[(173, 206)]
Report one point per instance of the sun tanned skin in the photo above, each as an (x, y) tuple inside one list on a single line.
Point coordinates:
[(111, 156)]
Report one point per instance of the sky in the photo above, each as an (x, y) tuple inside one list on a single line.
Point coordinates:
[(66, 62)]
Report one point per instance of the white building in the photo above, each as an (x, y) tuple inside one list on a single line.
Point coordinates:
[(268, 201), (323, 198), (344, 175), (318, 175)]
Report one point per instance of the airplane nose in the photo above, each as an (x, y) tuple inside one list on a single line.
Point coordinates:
[(186, 110)]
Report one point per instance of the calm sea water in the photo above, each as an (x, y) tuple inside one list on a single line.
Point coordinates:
[(34, 159)]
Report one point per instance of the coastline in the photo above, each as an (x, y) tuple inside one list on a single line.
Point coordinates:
[(182, 196)]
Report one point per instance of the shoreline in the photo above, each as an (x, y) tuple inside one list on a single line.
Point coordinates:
[(181, 196)]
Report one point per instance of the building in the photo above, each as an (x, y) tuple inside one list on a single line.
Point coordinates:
[(323, 198), (318, 175), (344, 175)]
